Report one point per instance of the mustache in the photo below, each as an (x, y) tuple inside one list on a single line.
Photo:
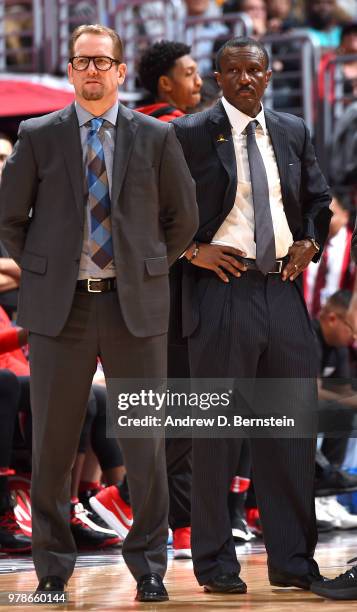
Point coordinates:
[(246, 88)]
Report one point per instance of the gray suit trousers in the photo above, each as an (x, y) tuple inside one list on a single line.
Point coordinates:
[(62, 369)]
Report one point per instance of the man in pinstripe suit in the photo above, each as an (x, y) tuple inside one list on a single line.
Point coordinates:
[(243, 310)]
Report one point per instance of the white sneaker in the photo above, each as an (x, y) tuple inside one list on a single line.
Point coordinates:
[(338, 514), (241, 531), (320, 510)]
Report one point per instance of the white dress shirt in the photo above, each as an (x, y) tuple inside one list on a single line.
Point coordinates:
[(237, 230)]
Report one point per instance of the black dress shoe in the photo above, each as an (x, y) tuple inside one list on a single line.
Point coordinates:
[(285, 579), (225, 583), (150, 588), (51, 584)]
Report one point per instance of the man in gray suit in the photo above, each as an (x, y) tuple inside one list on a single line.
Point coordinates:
[(96, 203)]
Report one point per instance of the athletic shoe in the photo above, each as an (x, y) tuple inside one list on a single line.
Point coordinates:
[(19, 485), (323, 519), (337, 513), (342, 587), (335, 482), (110, 506), (84, 498), (12, 538), (253, 521), (182, 543), (87, 534), (241, 531)]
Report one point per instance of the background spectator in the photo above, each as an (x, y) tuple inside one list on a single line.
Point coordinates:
[(322, 22)]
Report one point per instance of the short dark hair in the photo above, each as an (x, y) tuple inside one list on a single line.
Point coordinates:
[(339, 300), (158, 60), (348, 28), (241, 41), (99, 30), (343, 197)]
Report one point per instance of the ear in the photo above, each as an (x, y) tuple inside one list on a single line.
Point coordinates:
[(70, 72), (268, 77), (218, 78), (332, 317), (164, 84), (122, 69)]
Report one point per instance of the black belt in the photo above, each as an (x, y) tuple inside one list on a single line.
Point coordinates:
[(251, 264), (96, 285)]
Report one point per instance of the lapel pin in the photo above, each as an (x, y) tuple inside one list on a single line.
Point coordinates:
[(221, 138)]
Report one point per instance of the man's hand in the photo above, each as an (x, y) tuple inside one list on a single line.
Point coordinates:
[(301, 253), (9, 266), (215, 257)]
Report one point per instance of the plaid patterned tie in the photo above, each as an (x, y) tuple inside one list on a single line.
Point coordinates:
[(101, 246)]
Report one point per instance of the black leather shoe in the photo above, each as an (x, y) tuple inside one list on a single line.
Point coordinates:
[(225, 583), (150, 588), (285, 579), (51, 584)]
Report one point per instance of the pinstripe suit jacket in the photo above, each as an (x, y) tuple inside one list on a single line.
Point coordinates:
[(206, 139)]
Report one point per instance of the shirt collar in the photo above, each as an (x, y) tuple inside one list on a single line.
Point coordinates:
[(239, 120), (110, 115)]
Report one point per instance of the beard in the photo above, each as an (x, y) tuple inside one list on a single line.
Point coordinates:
[(320, 22), (92, 94)]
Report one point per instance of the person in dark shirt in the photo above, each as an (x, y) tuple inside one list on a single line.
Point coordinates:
[(334, 332)]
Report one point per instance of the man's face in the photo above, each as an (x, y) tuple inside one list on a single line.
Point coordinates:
[(340, 217), (321, 12), (340, 331), (92, 84), (255, 8), (279, 8), (243, 78), (196, 7), (5, 150), (184, 83), (349, 43)]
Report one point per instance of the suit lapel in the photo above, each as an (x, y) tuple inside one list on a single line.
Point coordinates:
[(221, 132), (125, 137), (280, 144), (68, 138)]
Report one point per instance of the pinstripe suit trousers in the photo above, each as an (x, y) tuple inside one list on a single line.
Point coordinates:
[(255, 326)]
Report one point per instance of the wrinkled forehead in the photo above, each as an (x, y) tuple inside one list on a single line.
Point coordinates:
[(241, 55)]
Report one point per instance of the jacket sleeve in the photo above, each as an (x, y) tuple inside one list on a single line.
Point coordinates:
[(178, 207), (17, 194), (315, 196)]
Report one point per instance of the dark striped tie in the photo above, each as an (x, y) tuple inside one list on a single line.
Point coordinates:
[(101, 247), (264, 232)]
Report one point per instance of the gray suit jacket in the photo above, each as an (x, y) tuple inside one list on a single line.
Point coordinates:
[(154, 216)]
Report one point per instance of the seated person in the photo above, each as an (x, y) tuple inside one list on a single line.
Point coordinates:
[(334, 333)]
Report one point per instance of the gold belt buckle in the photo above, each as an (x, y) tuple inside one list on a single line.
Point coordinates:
[(93, 280)]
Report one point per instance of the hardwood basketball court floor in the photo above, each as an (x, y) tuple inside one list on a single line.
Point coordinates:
[(102, 582)]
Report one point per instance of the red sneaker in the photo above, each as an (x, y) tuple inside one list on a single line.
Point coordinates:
[(12, 538), (253, 520), (110, 506), (182, 543)]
